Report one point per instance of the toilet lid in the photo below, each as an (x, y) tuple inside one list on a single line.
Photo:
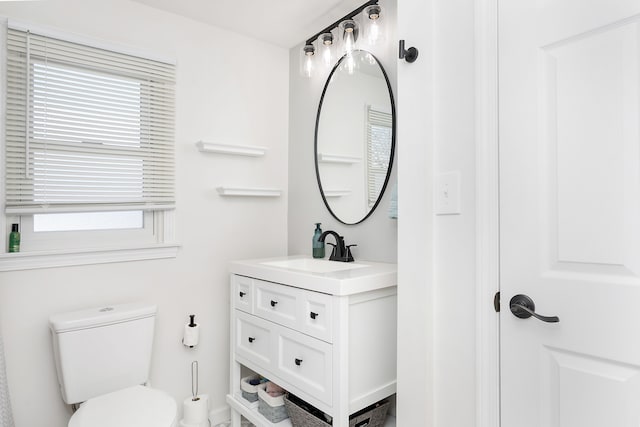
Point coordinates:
[(136, 406)]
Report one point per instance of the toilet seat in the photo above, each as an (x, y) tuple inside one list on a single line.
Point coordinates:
[(136, 406)]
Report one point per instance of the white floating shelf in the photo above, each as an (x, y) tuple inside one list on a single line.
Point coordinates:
[(237, 150), (248, 192), (337, 158), (336, 193)]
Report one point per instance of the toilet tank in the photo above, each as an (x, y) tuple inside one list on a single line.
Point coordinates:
[(101, 350)]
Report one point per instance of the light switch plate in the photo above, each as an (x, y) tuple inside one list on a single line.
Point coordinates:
[(448, 193)]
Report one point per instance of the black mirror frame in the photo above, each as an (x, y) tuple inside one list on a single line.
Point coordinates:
[(393, 140)]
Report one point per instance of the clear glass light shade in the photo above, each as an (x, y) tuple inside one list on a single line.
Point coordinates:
[(326, 49), (373, 24), (349, 34), (307, 60)]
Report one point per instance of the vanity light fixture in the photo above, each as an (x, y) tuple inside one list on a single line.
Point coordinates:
[(348, 30)]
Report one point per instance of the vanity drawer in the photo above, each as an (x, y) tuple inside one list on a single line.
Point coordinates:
[(306, 311), (254, 339), (306, 363), (277, 303), (316, 314), (242, 293)]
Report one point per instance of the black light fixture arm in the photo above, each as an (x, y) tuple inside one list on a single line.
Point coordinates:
[(410, 55), (349, 15)]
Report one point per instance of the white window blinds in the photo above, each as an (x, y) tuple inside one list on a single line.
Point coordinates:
[(379, 140), (87, 129)]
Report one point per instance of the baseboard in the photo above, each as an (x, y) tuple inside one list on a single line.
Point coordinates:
[(219, 415)]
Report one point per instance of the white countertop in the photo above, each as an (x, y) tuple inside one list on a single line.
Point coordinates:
[(364, 276)]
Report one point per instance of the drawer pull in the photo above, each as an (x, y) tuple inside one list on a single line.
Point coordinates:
[(298, 362), (242, 294), (313, 315), (251, 339), (273, 303)]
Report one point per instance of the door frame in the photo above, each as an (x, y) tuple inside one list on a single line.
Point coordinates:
[(488, 215)]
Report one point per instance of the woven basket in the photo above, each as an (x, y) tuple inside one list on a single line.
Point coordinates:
[(301, 418), (372, 416)]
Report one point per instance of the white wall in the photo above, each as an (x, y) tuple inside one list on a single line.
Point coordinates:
[(454, 254), (229, 89), (377, 236), (415, 402), (436, 254)]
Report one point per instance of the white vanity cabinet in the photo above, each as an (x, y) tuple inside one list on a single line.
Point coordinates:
[(328, 337)]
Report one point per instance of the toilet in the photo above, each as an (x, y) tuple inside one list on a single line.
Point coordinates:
[(102, 360)]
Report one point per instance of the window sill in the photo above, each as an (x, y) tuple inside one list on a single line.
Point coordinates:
[(49, 259)]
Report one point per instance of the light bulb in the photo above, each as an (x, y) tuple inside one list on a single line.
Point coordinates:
[(372, 28), (326, 48), (308, 67), (306, 60), (349, 41), (349, 35), (374, 32)]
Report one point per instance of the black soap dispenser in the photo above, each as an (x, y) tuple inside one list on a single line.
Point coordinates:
[(317, 245)]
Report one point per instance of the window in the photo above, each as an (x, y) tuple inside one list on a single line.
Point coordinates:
[(89, 143), (379, 141)]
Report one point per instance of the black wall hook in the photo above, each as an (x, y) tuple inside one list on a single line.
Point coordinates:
[(409, 55)]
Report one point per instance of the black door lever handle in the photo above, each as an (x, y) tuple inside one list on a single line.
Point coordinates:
[(523, 307)]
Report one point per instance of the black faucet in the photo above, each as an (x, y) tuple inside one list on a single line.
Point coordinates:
[(340, 252)]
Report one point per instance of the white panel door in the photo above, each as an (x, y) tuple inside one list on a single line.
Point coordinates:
[(569, 96)]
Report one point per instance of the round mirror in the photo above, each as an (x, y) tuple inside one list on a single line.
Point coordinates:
[(355, 137)]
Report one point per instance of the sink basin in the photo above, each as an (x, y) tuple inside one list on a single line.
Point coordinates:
[(313, 265), (319, 275)]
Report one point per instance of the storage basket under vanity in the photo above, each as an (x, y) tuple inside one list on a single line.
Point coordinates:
[(304, 415), (250, 391), (272, 408)]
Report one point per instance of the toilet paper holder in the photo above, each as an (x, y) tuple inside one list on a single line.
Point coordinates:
[(196, 407), (191, 335), (195, 375)]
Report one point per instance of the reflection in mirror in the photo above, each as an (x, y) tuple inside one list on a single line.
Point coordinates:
[(355, 137)]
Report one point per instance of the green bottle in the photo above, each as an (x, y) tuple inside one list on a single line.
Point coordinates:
[(14, 239), (318, 246)]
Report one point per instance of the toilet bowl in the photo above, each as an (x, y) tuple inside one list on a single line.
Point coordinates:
[(137, 406)]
